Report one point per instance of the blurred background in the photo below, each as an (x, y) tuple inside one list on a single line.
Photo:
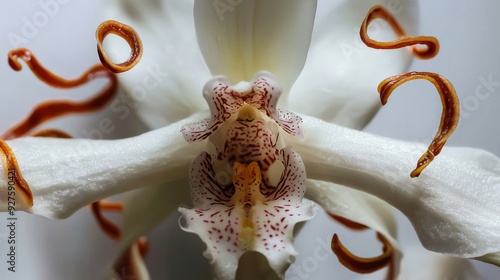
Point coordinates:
[(64, 41)]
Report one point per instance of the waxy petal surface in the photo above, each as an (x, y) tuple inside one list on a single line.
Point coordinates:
[(166, 85), (241, 38), (340, 78), (68, 174), (452, 206)]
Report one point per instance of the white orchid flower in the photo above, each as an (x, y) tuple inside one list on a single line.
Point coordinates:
[(64, 179)]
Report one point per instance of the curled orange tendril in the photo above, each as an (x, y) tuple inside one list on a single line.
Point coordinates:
[(51, 133), (109, 228), (54, 109), (431, 43), (51, 109), (348, 223), (362, 265), (449, 116), (126, 263), (125, 32), (131, 37)]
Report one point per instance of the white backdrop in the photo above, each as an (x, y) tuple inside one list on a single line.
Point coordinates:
[(64, 41)]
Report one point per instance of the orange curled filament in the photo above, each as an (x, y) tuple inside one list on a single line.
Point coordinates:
[(53, 109), (12, 170), (364, 265), (54, 133), (108, 227), (114, 232), (355, 263), (126, 32), (431, 43), (449, 116), (346, 222)]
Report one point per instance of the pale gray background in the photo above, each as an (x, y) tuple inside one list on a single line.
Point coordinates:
[(76, 249)]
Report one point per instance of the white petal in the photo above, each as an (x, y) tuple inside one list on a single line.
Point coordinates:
[(67, 174), (490, 258), (359, 207), (138, 264), (454, 203), (240, 38), (436, 266), (166, 86), (138, 269), (220, 227), (146, 208), (233, 221), (340, 78)]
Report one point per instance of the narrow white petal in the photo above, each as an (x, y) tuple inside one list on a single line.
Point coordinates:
[(166, 86), (137, 269), (454, 203), (419, 263), (490, 258), (138, 265), (145, 208), (240, 38), (358, 207), (340, 78), (67, 174)]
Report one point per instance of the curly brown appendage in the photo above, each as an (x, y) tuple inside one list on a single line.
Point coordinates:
[(362, 265), (11, 169), (449, 116), (54, 133), (126, 262), (365, 265), (54, 109), (129, 35), (431, 43), (348, 223), (108, 227)]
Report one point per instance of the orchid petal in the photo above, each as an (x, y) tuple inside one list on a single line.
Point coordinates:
[(240, 38), (213, 226), (166, 85), (68, 174), (358, 207), (437, 266), (340, 78), (159, 202), (490, 258), (234, 222), (452, 206), (138, 269)]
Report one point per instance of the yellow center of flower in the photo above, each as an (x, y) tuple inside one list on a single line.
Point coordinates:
[(247, 179)]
